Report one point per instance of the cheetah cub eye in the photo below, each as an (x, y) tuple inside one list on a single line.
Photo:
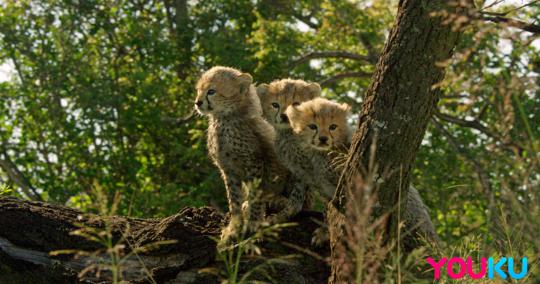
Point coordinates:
[(312, 126)]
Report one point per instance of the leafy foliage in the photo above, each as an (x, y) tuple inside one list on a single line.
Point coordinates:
[(100, 87)]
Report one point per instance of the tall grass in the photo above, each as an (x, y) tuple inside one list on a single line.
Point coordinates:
[(114, 250)]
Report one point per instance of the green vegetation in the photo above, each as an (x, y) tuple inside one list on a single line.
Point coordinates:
[(101, 94)]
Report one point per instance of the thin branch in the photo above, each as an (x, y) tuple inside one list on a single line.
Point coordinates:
[(454, 96), (17, 67), (328, 54), (17, 177), (508, 11), (482, 112), (475, 124), (532, 28), (373, 54), (496, 2), (340, 76), (170, 17), (178, 121)]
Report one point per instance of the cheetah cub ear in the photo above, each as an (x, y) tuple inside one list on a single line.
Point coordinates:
[(244, 80), (345, 107), (294, 114), (263, 89), (313, 90)]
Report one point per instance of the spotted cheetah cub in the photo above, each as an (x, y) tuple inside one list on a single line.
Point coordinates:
[(240, 144), (275, 98), (321, 129), (321, 125)]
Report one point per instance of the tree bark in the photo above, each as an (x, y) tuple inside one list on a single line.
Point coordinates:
[(31, 230), (397, 107), (184, 37)]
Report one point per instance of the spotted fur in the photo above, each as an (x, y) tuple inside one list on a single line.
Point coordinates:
[(240, 144), (312, 121), (323, 113), (275, 98)]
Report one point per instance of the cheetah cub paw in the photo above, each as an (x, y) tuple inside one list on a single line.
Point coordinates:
[(321, 236), (231, 233)]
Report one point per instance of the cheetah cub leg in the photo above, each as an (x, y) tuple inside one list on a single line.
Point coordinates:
[(234, 229), (292, 205), (321, 236), (253, 208)]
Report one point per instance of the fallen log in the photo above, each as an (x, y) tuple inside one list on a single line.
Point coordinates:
[(178, 249)]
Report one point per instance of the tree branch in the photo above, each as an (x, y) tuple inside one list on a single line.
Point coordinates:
[(373, 54), (328, 54), (340, 76), (465, 123), (17, 177), (170, 17), (532, 28), (177, 121), (475, 124), (507, 11)]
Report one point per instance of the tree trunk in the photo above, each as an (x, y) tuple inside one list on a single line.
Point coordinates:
[(397, 107), (29, 231), (184, 37)]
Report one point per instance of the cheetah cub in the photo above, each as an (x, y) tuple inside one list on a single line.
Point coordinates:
[(321, 125), (275, 98), (240, 144), (321, 130)]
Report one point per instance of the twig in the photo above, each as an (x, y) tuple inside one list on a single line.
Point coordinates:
[(475, 124), (373, 54), (496, 2), (508, 11), (305, 250), (340, 76), (532, 28), (177, 121), (328, 54)]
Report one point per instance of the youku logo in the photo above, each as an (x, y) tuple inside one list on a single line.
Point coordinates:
[(487, 266)]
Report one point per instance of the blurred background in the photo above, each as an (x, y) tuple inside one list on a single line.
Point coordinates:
[(96, 98)]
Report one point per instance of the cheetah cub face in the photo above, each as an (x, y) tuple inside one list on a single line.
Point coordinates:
[(320, 123), (278, 95), (222, 91)]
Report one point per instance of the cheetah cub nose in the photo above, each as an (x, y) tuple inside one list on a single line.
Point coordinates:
[(323, 139), (198, 103), (284, 118)]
